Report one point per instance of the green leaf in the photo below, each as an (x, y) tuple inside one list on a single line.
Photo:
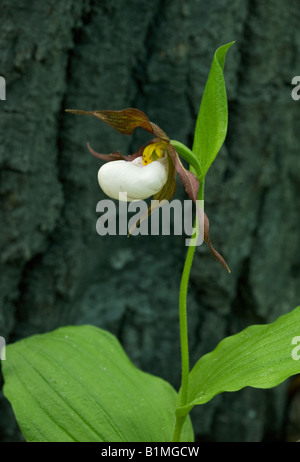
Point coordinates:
[(261, 356), (211, 125), (77, 384)]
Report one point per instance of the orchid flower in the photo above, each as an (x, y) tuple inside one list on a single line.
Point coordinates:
[(151, 171), (139, 179)]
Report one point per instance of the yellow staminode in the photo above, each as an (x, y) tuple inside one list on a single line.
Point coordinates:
[(154, 151)]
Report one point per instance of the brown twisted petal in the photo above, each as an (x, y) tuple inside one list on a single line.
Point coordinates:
[(191, 185), (189, 180), (116, 155), (214, 252)]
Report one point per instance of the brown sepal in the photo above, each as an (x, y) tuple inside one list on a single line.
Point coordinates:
[(159, 133), (125, 121)]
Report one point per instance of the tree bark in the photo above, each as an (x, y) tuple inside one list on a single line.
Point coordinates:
[(56, 270)]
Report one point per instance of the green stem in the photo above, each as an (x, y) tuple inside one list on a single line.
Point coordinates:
[(183, 324), (185, 368)]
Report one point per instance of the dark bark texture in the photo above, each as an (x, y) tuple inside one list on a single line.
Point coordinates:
[(56, 270)]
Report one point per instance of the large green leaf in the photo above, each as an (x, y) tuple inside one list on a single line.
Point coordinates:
[(212, 120), (261, 356), (77, 384)]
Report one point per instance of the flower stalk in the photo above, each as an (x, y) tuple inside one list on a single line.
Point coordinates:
[(183, 325)]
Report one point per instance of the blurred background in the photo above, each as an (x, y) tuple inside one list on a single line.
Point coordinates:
[(56, 270)]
